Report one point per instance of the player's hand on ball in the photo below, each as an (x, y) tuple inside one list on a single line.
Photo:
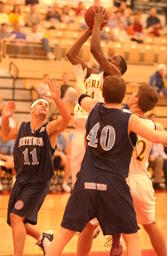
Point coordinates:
[(9, 109), (100, 16), (55, 92)]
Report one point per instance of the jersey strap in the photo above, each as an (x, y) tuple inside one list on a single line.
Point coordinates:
[(81, 97)]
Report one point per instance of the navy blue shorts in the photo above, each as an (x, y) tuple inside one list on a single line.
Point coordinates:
[(26, 200), (109, 201)]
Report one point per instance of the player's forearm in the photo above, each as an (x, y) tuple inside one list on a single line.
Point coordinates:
[(86, 102), (74, 50), (5, 127), (95, 45), (63, 111)]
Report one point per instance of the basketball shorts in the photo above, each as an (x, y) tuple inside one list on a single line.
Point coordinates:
[(110, 203), (143, 198), (26, 200)]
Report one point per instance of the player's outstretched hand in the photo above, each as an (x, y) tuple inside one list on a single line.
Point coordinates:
[(55, 92), (100, 16), (9, 109), (80, 74)]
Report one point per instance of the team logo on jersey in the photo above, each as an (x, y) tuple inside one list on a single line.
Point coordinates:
[(19, 205)]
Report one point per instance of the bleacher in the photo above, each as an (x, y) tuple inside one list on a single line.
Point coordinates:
[(141, 58)]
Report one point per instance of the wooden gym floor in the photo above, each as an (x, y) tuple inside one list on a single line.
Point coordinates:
[(50, 218)]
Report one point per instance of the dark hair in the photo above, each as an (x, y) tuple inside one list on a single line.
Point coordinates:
[(123, 66), (114, 89), (147, 97)]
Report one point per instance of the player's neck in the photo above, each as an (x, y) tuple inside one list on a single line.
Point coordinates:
[(36, 123), (112, 105), (139, 113), (136, 110)]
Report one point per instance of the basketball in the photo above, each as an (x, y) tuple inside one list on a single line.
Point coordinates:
[(89, 16)]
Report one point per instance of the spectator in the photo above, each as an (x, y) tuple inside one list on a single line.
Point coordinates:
[(4, 32), (36, 36), (64, 84), (120, 34), (33, 16), (17, 32), (159, 80), (6, 147), (153, 23), (62, 158), (114, 19), (3, 15), (53, 14), (70, 96), (67, 15), (157, 158), (137, 28), (31, 2), (15, 16), (137, 25), (43, 89), (158, 162), (80, 9)]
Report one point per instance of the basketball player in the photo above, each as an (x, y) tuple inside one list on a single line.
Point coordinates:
[(92, 86), (33, 151), (139, 179), (143, 100), (101, 190)]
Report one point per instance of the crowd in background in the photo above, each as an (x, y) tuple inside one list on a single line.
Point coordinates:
[(32, 23)]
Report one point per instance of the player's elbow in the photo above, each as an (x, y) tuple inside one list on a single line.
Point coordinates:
[(70, 57), (66, 121), (157, 139), (94, 49)]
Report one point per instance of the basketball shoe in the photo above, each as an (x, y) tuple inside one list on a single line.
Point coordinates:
[(116, 247), (46, 239)]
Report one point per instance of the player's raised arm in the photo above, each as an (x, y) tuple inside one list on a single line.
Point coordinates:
[(138, 126), (6, 131), (73, 53), (60, 123), (96, 49)]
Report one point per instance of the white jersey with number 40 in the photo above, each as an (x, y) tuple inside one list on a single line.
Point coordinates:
[(93, 87)]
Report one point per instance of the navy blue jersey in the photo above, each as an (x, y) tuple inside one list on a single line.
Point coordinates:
[(109, 148), (33, 155)]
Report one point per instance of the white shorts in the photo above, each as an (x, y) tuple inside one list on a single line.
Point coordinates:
[(77, 152), (143, 198)]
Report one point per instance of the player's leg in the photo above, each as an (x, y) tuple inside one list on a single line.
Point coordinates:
[(116, 247), (18, 233), (86, 238), (67, 173), (59, 242), (157, 239), (32, 231), (43, 239), (77, 153), (132, 244)]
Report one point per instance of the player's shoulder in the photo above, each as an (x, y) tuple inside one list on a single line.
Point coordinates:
[(124, 110)]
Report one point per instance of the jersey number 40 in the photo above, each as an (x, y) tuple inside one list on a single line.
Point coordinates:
[(106, 138)]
